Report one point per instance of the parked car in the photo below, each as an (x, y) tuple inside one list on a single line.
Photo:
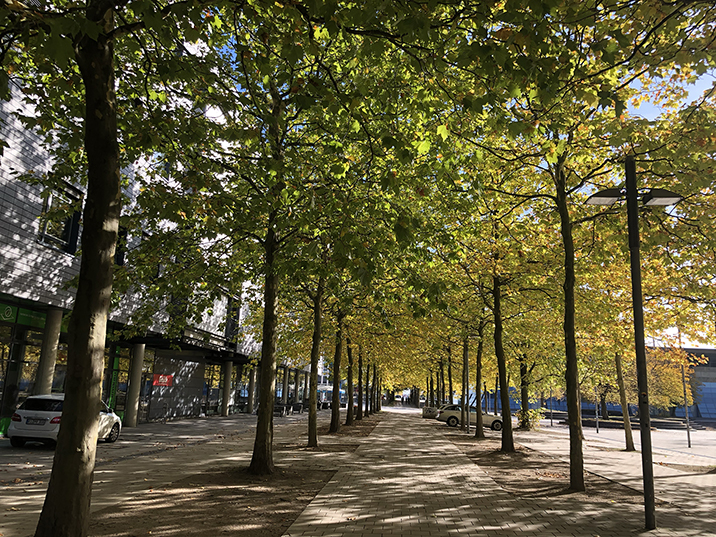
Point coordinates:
[(38, 419), (450, 414), (430, 412)]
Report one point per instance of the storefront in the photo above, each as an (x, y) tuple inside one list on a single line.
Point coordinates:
[(22, 335), (174, 383)]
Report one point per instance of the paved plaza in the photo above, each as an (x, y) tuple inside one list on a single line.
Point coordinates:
[(406, 479), (409, 480)]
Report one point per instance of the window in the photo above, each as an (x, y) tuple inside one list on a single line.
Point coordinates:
[(60, 220), (233, 320), (120, 253), (42, 405)]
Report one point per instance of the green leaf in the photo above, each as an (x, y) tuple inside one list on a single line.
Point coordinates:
[(424, 147), (402, 233), (443, 132)]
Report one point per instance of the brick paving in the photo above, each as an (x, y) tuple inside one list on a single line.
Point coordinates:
[(405, 479), (408, 480)]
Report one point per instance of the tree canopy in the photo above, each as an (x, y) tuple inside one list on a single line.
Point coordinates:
[(420, 168)]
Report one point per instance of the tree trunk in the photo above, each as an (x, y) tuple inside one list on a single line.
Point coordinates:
[(484, 389), (66, 510), (524, 392), (603, 404), (574, 417), (368, 407), (359, 413), (479, 431), (349, 382), (378, 390), (336, 399), (442, 383), (449, 368), (315, 358), (465, 396), (508, 443), (375, 392), (432, 391), (262, 458), (497, 389), (629, 439)]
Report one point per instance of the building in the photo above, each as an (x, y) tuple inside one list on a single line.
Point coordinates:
[(204, 371), (705, 380)]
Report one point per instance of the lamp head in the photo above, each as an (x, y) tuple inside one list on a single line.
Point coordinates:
[(661, 196), (606, 197)]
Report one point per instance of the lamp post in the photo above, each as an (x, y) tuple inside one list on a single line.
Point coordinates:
[(654, 196)]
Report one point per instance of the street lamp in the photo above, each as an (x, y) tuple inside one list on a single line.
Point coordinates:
[(651, 197)]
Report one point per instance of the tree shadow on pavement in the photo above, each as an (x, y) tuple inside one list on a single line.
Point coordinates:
[(533, 474)]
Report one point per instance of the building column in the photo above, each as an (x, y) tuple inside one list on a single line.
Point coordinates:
[(284, 392), (294, 395), (131, 409), (291, 395), (48, 354), (252, 390), (226, 397)]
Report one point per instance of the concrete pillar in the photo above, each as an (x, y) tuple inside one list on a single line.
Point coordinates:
[(252, 390), (131, 410), (284, 392), (226, 396), (291, 392), (48, 353)]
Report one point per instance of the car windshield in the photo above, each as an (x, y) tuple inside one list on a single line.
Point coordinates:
[(42, 405)]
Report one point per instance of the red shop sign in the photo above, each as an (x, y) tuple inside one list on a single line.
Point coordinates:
[(162, 380)]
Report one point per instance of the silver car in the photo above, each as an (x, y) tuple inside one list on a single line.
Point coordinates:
[(451, 415), (38, 419)]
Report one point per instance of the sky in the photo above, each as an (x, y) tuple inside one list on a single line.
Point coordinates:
[(650, 111)]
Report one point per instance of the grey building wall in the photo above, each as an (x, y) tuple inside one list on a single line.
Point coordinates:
[(215, 324), (184, 397), (39, 272), (28, 268)]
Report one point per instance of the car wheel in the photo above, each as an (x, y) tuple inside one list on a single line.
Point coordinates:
[(17, 441), (113, 434), (452, 421), (496, 425)]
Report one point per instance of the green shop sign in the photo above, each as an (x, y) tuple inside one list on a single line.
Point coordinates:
[(12, 314), (8, 314), (31, 318)]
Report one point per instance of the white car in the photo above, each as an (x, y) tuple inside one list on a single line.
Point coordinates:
[(451, 415), (38, 419)]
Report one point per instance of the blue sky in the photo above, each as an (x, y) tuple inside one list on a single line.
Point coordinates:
[(648, 110)]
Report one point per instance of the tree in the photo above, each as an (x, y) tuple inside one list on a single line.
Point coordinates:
[(41, 47)]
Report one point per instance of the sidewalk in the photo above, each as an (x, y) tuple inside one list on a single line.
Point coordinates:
[(409, 480), (406, 478), (689, 488), (151, 455)]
